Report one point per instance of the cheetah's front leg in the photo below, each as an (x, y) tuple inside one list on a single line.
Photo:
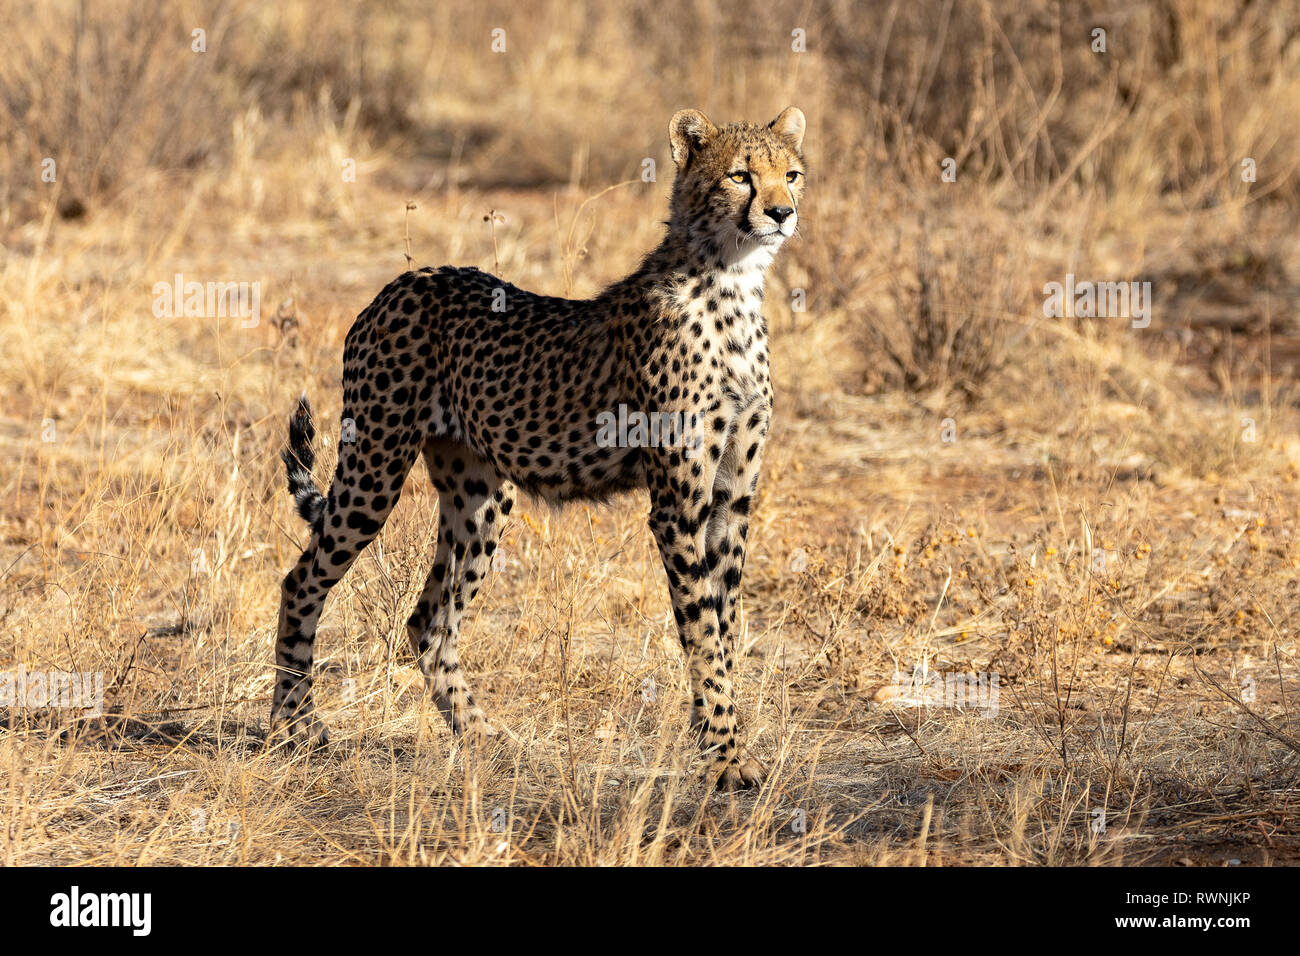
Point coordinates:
[(680, 527), (734, 486)]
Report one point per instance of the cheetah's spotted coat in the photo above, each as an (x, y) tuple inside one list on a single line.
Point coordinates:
[(504, 399)]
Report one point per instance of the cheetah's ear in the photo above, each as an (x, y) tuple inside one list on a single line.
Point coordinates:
[(790, 125), (688, 132)]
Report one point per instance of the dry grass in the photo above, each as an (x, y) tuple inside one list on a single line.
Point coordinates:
[(1099, 515)]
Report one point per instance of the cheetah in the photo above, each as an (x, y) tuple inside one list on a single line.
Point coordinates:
[(500, 391)]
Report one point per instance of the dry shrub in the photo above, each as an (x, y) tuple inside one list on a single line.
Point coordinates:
[(106, 90), (1015, 93), (955, 320), (111, 90)]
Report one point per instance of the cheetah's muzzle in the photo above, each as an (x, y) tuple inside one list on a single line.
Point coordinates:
[(500, 390)]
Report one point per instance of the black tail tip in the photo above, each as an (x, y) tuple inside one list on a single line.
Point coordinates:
[(299, 459), (302, 431)]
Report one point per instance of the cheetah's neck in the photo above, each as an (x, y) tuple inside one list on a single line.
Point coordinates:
[(680, 278)]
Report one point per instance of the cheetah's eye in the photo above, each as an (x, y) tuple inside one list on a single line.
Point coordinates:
[(738, 177), (792, 176)]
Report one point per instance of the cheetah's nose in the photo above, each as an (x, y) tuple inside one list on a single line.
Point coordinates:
[(779, 213)]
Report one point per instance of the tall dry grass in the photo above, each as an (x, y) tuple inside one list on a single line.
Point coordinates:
[(1099, 514)]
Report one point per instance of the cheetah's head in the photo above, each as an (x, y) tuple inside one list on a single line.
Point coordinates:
[(740, 182)]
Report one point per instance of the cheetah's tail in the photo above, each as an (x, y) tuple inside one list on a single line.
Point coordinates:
[(298, 461)]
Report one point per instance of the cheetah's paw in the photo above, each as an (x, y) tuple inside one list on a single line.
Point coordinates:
[(299, 733), (741, 774)]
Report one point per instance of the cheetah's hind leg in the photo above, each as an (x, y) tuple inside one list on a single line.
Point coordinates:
[(473, 502), (366, 486)]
